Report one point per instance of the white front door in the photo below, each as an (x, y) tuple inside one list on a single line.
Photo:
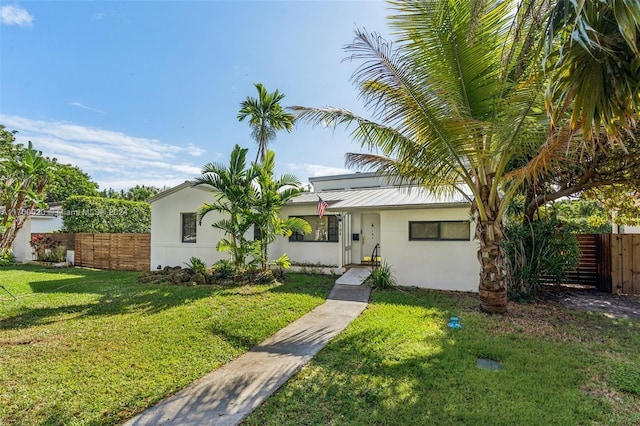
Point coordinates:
[(370, 235)]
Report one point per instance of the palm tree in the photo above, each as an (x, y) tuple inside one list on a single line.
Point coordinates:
[(266, 117), (452, 104), (593, 55), (234, 197), (272, 194), (459, 99)]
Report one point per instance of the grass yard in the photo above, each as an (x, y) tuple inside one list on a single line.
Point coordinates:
[(399, 364), (94, 347)]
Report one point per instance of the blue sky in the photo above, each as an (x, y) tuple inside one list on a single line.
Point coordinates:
[(147, 92)]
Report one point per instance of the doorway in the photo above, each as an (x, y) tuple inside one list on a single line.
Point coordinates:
[(370, 235)]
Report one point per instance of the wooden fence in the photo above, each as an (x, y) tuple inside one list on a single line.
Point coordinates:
[(594, 266), (121, 252), (625, 263)]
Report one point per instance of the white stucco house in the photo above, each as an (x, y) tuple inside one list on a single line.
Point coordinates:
[(427, 240), (41, 221)]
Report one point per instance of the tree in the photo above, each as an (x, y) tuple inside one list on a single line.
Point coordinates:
[(271, 195), (458, 98), (234, 197), (67, 180), (566, 168), (266, 117), (135, 193), (455, 100), (23, 175)]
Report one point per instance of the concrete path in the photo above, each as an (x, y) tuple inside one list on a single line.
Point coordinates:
[(354, 276), (227, 395)]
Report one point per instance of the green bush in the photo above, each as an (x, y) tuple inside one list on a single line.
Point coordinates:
[(7, 259), (541, 249), (382, 277), (197, 265), (223, 269), (105, 215)]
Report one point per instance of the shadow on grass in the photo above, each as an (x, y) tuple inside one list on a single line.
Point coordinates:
[(116, 292), (405, 366)]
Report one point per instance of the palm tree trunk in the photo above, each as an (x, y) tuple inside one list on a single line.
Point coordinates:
[(493, 288)]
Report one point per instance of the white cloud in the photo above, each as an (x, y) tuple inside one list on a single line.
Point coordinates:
[(194, 151), (312, 170), (83, 106), (15, 15), (113, 159)]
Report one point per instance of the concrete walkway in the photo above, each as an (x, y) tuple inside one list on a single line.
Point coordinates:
[(227, 395), (354, 276)]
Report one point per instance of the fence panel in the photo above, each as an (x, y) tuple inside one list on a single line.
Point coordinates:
[(122, 252), (625, 260)]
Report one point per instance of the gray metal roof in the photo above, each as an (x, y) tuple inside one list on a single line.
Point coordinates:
[(381, 198)]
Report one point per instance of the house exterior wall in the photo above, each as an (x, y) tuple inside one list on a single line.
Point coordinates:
[(442, 265), (307, 252), (167, 248), (436, 264), (630, 229), (35, 224), (349, 181)]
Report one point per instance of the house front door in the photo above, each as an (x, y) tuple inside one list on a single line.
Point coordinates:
[(370, 235)]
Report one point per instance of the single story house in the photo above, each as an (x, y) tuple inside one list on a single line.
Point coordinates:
[(426, 240), (40, 221)]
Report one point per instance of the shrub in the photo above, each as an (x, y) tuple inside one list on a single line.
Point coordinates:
[(541, 249), (382, 277), (105, 215), (197, 265), (223, 269), (48, 249), (7, 259)]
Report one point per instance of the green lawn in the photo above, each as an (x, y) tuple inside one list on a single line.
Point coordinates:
[(399, 364), (94, 347)]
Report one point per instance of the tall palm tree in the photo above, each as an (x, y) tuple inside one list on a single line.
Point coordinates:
[(234, 197), (271, 195), (452, 103), (459, 98), (266, 117)]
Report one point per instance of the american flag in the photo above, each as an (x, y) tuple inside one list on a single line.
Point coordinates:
[(321, 206)]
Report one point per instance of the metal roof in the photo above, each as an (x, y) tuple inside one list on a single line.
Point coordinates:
[(381, 198)]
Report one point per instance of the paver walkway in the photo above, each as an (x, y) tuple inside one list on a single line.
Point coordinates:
[(227, 395)]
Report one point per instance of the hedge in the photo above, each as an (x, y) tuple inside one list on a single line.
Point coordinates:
[(105, 215)]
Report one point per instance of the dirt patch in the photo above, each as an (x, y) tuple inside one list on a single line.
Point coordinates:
[(589, 299)]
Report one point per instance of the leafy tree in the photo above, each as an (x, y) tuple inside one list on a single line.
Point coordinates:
[(67, 180), (136, 193), (141, 192), (23, 175), (582, 216), (234, 197), (271, 195), (458, 98), (266, 117), (622, 202), (566, 167)]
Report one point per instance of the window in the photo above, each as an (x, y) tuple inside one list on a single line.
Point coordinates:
[(458, 231), (189, 222), (325, 229)]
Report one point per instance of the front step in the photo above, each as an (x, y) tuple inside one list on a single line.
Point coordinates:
[(354, 276)]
